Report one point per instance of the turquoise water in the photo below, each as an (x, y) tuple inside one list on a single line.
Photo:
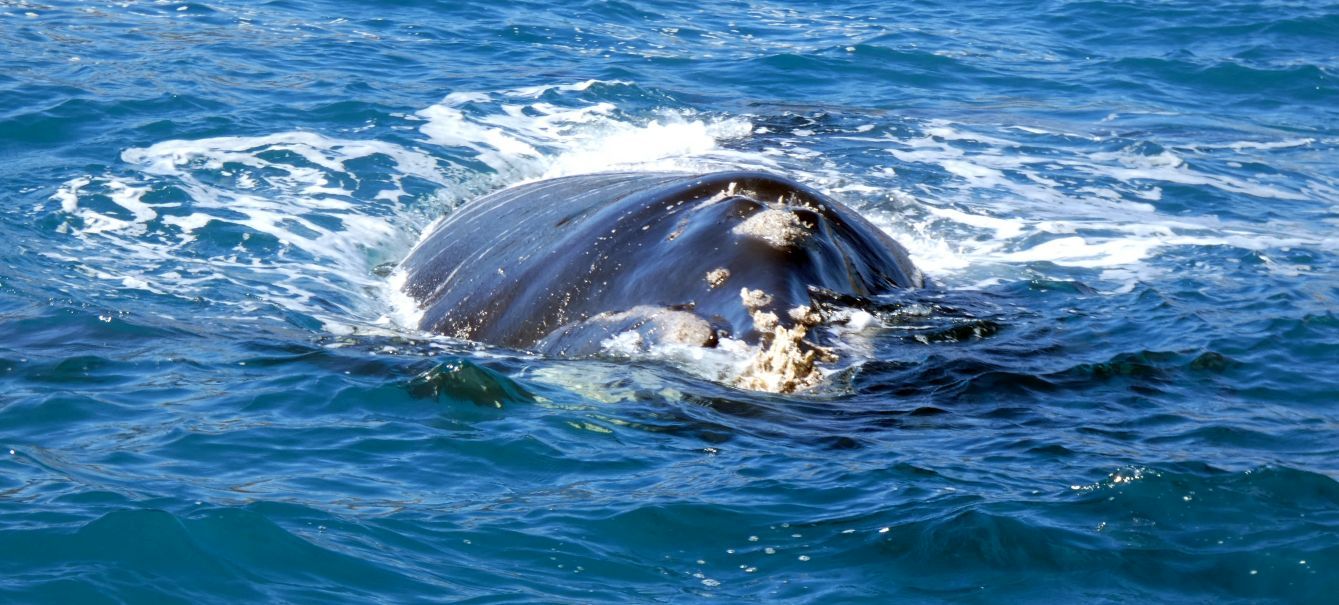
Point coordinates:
[(1121, 389)]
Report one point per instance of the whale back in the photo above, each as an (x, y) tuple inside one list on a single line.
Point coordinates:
[(516, 266)]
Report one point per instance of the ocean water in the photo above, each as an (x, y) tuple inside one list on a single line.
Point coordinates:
[(1123, 386)]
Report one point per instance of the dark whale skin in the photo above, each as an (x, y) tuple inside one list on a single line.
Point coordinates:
[(522, 265)]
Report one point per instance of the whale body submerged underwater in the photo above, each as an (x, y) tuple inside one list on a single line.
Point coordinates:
[(562, 266)]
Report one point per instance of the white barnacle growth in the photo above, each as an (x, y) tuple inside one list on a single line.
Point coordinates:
[(717, 276), (779, 228), (784, 362), (754, 299)]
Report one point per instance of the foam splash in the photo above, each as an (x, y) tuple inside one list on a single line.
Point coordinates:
[(1024, 195), (404, 311), (520, 136), (283, 218)]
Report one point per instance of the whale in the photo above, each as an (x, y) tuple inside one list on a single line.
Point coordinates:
[(568, 266)]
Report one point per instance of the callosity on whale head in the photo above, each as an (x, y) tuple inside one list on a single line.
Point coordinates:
[(561, 266)]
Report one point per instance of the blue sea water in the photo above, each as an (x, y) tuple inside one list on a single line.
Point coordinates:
[(1122, 388)]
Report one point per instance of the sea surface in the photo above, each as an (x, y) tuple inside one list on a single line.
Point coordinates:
[(1123, 386)]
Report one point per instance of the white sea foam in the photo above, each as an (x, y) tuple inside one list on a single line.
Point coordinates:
[(724, 363), (1003, 204), (523, 138), (404, 310), (1168, 167), (305, 237)]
